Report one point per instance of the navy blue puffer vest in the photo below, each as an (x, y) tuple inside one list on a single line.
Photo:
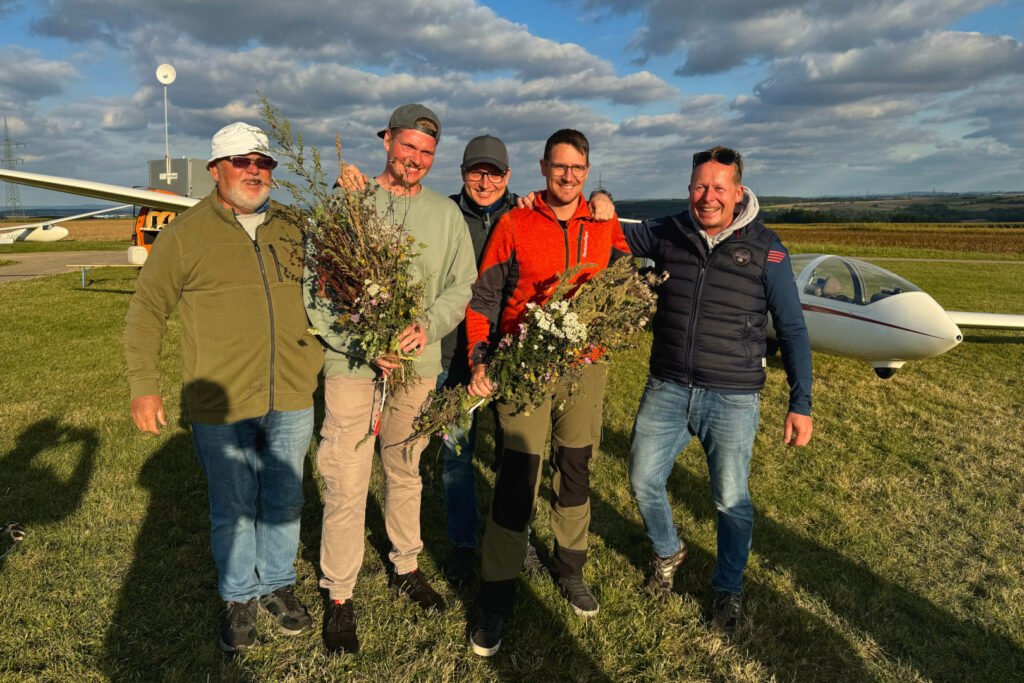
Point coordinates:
[(711, 321)]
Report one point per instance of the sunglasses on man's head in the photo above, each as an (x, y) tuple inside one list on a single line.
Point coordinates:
[(722, 156), (262, 163)]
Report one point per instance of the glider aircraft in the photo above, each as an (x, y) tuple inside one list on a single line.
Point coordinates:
[(859, 310), (852, 308), (45, 231), (158, 206)]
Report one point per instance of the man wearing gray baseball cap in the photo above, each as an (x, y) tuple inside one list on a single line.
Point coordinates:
[(447, 269), (249, 367)]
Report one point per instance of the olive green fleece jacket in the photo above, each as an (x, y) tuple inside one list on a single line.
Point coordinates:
[(246, 346), (447, 267)]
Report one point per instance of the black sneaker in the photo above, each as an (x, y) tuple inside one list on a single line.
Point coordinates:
[(486, 639), (460, 567), (290, 615), (531, 563), (579, 596), (663, 571), (726, 612), (340, 629), (238, 629), (416, 586)]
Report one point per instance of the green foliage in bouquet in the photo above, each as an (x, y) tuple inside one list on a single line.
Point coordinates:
[(359, 262)]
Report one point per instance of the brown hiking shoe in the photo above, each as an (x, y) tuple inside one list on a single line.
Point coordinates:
[(663, 572)]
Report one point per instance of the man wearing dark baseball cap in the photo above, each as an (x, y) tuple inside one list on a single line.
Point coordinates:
[(414, 117), (447, 269)]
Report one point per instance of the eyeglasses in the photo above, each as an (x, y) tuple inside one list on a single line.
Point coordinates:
[(723, 156), (494, 176), (243, 162), (562, 169)]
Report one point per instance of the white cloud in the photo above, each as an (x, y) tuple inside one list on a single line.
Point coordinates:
[(26, 75), (942, 61)]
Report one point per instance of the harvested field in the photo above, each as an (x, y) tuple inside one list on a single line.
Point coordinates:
[(989, 238), (92, 230)]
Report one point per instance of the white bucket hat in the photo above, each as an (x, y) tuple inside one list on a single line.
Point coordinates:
[(239, 138)]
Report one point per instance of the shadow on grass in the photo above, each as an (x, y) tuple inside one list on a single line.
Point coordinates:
[(37, 495), (166, 624), (538, 644), (980, 338), (904, 626)]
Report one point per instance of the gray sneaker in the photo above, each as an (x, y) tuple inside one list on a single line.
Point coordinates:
[(290, 616), (663, 571), (579, 596), (238, 629)]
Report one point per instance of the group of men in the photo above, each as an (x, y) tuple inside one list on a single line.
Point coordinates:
[(232, 266)]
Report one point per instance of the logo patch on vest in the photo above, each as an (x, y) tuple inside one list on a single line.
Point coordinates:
[(741, 256)]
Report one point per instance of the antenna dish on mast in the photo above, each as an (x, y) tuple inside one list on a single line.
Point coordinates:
[(165, 74)]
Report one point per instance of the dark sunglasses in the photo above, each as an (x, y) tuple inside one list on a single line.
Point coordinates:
[(722, 156), (262, 163)]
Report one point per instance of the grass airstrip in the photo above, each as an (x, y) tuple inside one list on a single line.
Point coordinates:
[(889, 549)]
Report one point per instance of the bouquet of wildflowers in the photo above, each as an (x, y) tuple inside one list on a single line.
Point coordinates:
[(359, 263), (578, 325)]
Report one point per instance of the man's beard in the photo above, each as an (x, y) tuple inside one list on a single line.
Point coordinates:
[(244, 202), (404, 170)]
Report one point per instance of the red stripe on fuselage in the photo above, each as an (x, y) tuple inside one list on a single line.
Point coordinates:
[(831, 311)]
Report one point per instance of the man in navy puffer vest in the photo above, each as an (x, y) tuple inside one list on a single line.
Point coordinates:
[(727, 271)]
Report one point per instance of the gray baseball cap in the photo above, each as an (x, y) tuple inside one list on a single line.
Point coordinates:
[(405, 117), (486, 149)]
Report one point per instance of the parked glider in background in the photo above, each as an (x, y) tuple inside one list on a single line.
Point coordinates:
[(45, 231), (159, 207), (860, 310)]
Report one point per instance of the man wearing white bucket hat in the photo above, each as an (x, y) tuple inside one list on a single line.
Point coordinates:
[(231, 265)]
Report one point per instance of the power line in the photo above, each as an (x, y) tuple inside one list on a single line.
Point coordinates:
[(8, 162)]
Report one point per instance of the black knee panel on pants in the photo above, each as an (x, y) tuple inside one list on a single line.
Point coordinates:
[(513, 490), (498, 596), (574, 466)]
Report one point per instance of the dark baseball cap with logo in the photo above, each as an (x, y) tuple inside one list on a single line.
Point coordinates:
[(486, 149), (406, 116)]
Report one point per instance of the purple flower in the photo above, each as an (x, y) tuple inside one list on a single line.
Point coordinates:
[(354, 317)]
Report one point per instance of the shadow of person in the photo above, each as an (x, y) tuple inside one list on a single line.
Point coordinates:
[(621, 529), (33, 493), (168, 610), (792, 643)]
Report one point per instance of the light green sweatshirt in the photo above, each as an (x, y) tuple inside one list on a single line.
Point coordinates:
[(447, 267)]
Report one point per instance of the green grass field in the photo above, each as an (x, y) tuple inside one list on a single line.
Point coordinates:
[(888, 549), (65, 245)]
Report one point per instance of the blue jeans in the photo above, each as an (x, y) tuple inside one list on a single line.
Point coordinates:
[(254, 478), (458, 476), (668, 417)]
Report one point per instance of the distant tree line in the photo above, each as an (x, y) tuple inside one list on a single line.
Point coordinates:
[(842, 210), (919, 213)]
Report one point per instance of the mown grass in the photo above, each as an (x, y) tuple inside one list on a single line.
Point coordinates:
[(888, 549)]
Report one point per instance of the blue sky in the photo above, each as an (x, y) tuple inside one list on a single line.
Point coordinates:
[(824, 97)]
